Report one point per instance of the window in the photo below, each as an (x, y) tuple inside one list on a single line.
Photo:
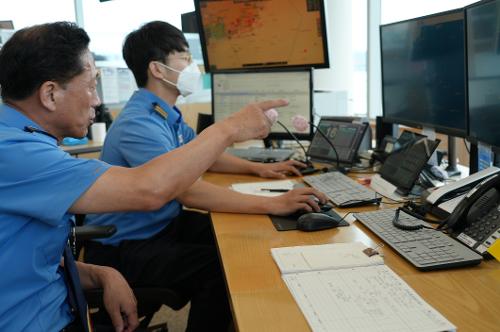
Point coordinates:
[(342, 89), (358, 89), (107, 23), (397, 10), (26, 13)]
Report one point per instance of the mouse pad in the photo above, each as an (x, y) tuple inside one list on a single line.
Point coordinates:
[(289, 223)]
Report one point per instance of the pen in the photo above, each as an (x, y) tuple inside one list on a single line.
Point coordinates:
[(271, 190)]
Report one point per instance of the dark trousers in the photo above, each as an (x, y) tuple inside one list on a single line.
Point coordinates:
[(182, 257), (75, 327)]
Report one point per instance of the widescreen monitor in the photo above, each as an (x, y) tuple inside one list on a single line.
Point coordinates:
[(483, 49), (423, 72), (247, 34), (233, 90)]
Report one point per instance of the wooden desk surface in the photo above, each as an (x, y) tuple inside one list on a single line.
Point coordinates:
[(260, 300)]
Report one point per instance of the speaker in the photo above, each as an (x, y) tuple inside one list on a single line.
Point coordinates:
[(383, 129)]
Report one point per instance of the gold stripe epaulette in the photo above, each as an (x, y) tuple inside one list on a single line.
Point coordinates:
[(157, 108)]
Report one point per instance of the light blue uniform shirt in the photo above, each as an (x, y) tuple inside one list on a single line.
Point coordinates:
[(139, 134), (38, 184)]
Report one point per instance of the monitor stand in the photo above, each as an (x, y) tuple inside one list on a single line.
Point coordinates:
[(452, 169)]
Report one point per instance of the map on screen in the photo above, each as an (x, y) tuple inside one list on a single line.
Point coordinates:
[(241, 34)]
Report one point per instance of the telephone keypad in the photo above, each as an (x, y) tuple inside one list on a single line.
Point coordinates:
[(484, 226)]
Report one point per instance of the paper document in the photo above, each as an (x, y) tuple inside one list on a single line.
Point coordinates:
[(362, 299), (323, 257), (340, 288), (262, 188), (385, 188)]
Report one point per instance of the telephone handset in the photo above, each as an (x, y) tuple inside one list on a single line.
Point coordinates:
[(476, 219)]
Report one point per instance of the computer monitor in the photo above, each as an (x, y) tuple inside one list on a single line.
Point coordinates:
[(233, 90), (402, 168), (423, 72), (7, 25), (366, 143), (189, 22), (483, 48), (345, 136), (239, 34)]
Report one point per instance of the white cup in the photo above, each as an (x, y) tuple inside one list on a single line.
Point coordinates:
[(98, 131)]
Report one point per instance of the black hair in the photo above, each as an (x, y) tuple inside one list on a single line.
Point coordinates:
[(153, 41), (41, 53)]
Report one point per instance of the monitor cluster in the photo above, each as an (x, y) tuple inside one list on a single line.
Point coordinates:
[(440, 71), (258, 50), (443, 72)]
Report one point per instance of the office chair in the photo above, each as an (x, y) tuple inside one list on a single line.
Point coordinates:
[(204, 121), (149, 299)]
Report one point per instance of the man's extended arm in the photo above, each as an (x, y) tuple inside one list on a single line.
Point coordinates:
[(227, 163), (150, 186), (210, 197)]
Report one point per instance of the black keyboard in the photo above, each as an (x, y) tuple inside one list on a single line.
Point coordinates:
[(426, 249)]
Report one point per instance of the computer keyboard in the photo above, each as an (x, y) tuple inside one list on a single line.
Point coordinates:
[(261, 154), (426, 249), (342, 190)]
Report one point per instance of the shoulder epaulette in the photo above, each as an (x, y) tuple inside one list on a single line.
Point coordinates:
[(157, 108)]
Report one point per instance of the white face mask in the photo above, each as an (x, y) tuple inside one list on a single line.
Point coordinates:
[(189, 79)]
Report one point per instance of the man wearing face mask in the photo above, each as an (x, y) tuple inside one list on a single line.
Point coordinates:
[(171, 247)]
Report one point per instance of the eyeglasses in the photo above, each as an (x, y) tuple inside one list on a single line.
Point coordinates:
[(188, 57)]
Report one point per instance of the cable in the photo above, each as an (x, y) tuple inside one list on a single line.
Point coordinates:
[(343, 218), (411, 226), (353, 202), (466, 146), (340, 169), (296, 139), (395, 201)]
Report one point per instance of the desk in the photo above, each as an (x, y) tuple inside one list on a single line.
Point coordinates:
[(90, 147), (260, 301)]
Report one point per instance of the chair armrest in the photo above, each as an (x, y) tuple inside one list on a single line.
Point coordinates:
[(89, 232)]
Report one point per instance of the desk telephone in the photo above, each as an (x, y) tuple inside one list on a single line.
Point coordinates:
[(476, 219)]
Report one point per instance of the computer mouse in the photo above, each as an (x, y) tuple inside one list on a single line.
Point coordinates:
[(315, 221), (308, 170), (325, 207)]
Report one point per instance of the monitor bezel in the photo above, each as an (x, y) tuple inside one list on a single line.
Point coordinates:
[(470, 137), (415, 124), (276, 135), (324, 64)]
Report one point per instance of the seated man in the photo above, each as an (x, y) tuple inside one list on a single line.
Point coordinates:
[(48, 86), (171, 247)]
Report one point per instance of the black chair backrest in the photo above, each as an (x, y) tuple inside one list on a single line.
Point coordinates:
[(204, 121)]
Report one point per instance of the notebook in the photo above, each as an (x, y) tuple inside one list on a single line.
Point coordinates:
[(339, 288)]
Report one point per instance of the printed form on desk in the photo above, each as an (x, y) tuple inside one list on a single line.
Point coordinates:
[(262, 188), (336, 292)]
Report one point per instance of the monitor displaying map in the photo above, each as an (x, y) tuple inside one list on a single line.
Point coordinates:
[(246, 34)]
